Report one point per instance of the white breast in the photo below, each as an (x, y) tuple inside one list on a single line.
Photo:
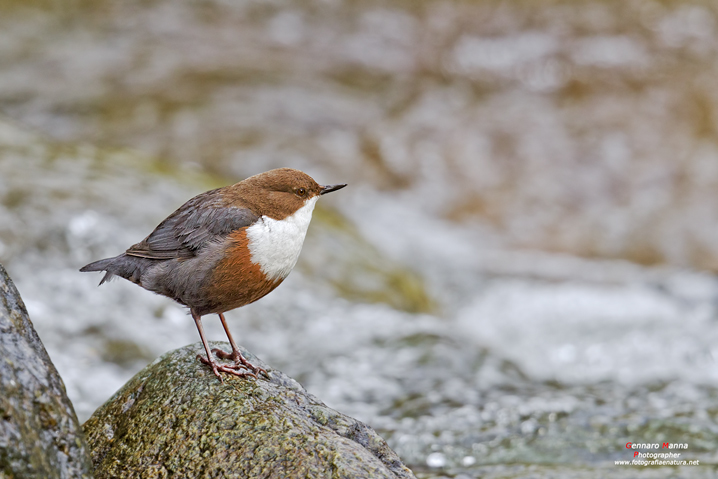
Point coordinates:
[(275, 245)]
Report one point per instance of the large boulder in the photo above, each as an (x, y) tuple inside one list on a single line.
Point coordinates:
[(40, 436), (176, 419)]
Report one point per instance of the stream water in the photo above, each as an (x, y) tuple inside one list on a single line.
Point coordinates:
[(517, 282)]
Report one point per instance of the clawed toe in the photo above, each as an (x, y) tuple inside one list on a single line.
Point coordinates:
[(238, 371), (235, 370), (241, 361), (222, 354)]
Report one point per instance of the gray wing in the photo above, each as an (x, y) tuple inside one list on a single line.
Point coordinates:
[(205, 218)]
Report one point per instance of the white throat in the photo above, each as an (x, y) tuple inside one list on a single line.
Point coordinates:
[(275, 245)]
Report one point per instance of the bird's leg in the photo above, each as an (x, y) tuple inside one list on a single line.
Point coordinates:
[(235, 354), (216, 367)]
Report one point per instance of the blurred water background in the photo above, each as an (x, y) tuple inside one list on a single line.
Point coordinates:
[(520, 277)]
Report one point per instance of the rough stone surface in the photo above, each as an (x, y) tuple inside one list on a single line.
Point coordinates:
[(40, 436), (175, 419)]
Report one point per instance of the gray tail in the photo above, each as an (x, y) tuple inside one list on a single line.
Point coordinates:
[(128, 267), (98, 265), (101, 265)]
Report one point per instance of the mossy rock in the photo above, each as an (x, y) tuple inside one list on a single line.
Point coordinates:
[(176, 419), (40, 436)]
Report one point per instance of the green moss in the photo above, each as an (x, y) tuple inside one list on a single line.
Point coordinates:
[(175, 418)]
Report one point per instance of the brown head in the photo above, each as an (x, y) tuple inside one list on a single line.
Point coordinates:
[(278, 193)]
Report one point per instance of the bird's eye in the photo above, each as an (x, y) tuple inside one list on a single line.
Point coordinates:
[(300, 191)]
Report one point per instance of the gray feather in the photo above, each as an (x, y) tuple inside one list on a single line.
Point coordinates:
[(203, 219)]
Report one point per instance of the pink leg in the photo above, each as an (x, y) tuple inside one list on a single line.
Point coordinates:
[(216, 367), (235, 354)]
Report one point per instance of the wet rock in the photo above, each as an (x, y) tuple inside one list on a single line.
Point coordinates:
[(175, 419), (40, 436)]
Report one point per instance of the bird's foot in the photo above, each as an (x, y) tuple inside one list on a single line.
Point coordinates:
[(238, 370), (241, 361)]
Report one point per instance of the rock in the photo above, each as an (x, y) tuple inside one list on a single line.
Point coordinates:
[(175, 419), (40, 436)]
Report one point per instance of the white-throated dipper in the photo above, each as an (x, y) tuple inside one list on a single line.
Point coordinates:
[(223, 249)]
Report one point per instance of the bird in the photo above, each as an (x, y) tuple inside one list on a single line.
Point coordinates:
[(223, 249)]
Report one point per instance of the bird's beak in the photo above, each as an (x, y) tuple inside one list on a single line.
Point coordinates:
[(329, 188)]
